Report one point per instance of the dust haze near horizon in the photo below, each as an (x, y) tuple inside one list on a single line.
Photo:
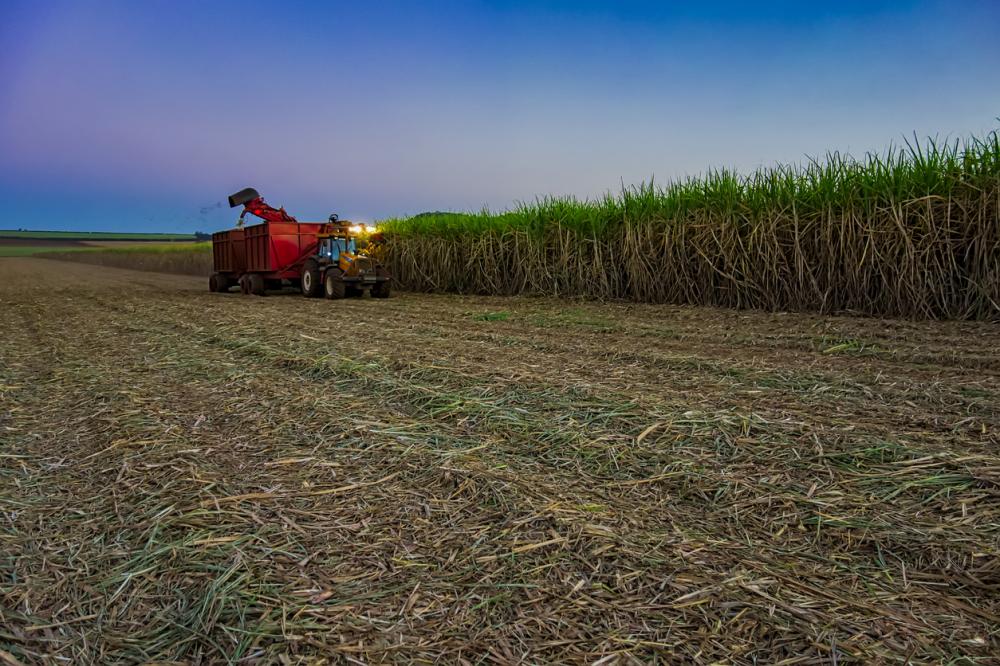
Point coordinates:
[(144, 116)]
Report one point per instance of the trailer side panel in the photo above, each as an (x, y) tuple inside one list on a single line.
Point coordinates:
[(228, 251), (278, 246)]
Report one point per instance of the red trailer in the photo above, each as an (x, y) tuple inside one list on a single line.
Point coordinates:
[(259, 257), (315, 256)]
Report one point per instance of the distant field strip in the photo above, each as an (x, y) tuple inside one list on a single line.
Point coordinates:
[(180, 258), (93, 235), (27, 249), (910, 233)]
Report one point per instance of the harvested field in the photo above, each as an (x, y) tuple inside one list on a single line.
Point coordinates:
[(195, 477)]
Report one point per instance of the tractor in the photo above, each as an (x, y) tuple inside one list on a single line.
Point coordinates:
[(339, 270)]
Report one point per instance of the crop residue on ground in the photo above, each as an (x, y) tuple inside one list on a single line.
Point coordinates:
[(201, 477)]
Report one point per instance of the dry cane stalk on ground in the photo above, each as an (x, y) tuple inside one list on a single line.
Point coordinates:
[(195, 477)]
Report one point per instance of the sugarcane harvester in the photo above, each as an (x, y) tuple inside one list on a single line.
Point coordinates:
[(321, 258)]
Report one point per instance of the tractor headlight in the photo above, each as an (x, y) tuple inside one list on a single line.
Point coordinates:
[(357, 228)]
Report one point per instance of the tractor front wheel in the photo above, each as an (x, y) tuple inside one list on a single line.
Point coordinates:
[(334, 284), (380, 290), (310, 279)]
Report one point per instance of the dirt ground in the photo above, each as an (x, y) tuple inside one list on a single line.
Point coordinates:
[(189, 477)]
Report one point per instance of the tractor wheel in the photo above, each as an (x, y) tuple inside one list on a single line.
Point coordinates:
[(310, 279), (255, 284), (381, 289), (334, 285), (214, 285)]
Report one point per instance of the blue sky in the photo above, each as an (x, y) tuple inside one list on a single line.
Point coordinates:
[(143, 116)]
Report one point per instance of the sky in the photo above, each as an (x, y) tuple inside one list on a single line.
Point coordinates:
[(144, 116)]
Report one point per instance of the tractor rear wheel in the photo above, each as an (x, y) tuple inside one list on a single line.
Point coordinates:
[(333, 284), (310, 279)]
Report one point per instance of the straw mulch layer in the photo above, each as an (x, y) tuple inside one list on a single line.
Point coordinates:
[(189, 477)]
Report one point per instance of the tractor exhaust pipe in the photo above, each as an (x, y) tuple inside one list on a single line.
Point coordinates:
[(244, 196)]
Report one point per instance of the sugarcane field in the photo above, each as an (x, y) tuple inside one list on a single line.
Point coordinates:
[(499, 333)]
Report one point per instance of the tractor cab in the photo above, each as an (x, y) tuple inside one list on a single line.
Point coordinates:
[(332, 247), (338, 245)]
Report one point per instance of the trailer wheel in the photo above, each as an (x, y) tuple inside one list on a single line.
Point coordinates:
[(255, 284), (310, 279), (333, 283), (220, 283)]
